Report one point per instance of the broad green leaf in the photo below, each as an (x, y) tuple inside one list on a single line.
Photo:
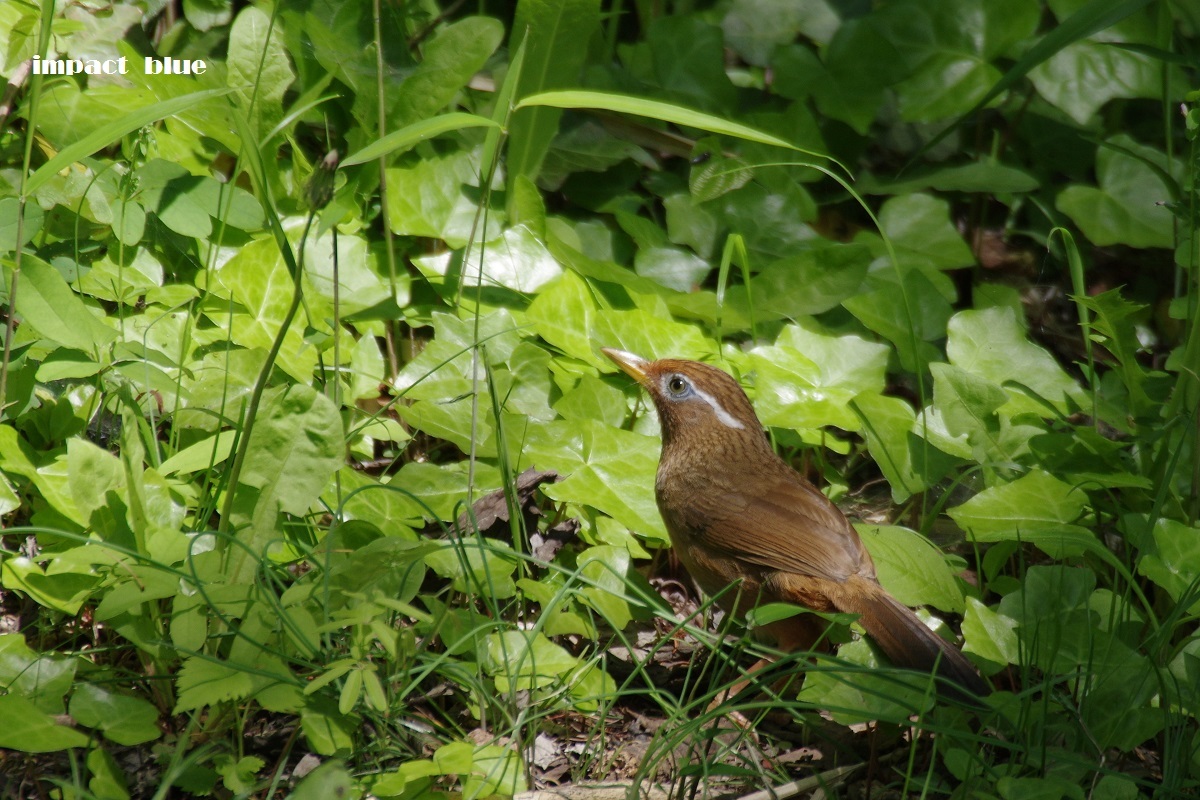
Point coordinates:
[(989, 634), (911, 567), (202, 682), (517, 260), (810, 281), (258, 283), (1086, 74), (26, 729), (259, 68), (950, 45), (650, 335), (685, 53), (991, 345), (92, 474), (554, 35), (605, 569), (187, 204), (593, 399), (605, 468), (978, 176), (201, 455), (439, 490), (46, 301), (1036, 508), (562, 314), (64, 591), (42, 678), (871, 691), (294, 448), (429, 197), (754, 28), (477, 567), (125, 719), (330, 779), (1046, 788), (910, 313), (1127, 206), (920, 228), (909, 463), (1174, 561), (106, 135), (966, 405), (449, 59)]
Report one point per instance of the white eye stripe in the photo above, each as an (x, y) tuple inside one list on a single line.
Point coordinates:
[(727, 419)]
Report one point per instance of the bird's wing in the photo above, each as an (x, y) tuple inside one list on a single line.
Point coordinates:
[(785, 526)]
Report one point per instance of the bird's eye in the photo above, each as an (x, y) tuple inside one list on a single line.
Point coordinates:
[(677, 385)]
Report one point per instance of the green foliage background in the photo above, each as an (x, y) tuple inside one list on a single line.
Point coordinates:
[(948, 245)]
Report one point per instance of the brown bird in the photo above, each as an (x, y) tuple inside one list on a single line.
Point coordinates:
[(737, 511)]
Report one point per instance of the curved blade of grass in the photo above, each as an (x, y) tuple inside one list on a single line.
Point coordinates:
[(106, 135), (667, 112), (410, 135)]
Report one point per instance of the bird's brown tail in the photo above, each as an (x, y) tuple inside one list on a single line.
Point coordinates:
[(906, 641)]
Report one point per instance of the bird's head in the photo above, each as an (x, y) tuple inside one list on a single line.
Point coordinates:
[(692, 399)]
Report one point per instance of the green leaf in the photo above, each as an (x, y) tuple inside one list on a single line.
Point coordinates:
[(46, 301), (754, 28), (1127, 206), (563, 314), (806, 380), (1036, 508), (426, 197), (259, 68), (979, 176), (991, 345), (108, 134), (605, 569), (811, 280), (330, 779), (449, 59), (989, 634), (41, 678), (202, 682), (26, 729), (554, 35), (910, 313), (476, 567), (125, 719), (651, 335), (909, 463), (201, 455), (1088, 73), (295, 447), (1174, 561), (911, 567), (1049, 788), (920, 228), (967, 406), (258, 283), (608, 469)]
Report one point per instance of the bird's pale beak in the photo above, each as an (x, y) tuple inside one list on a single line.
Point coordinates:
[(634, 365)]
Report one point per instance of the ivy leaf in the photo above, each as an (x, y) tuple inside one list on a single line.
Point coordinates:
[(990, 344), (911, 567), (1036, 508), (1127, 206)]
